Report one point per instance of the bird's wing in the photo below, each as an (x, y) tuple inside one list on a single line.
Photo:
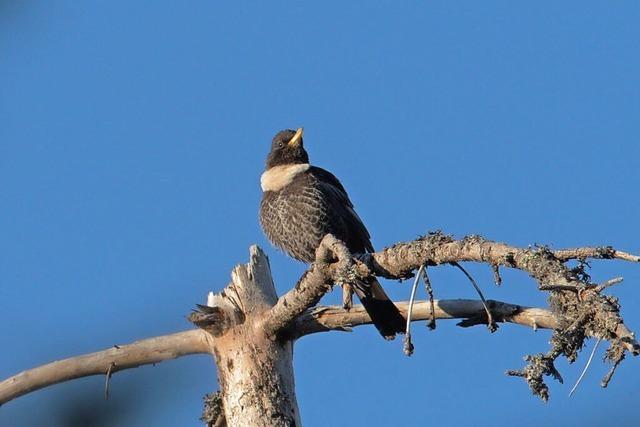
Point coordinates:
[(355, 234)]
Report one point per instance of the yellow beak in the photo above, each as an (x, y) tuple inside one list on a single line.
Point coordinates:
[(296, 138)]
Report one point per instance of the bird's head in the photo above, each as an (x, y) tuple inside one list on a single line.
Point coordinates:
[(287, 149)]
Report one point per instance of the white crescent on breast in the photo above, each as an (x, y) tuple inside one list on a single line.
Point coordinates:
[(279, 177)]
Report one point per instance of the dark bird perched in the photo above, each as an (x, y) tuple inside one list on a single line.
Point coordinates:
[(303, 203)]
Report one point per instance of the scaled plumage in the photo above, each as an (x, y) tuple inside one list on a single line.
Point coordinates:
[(303, 203)]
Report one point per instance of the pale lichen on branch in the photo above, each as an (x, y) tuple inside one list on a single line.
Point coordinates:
[(581, 309)]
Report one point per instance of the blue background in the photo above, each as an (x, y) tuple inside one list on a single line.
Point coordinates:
[(133, 136)]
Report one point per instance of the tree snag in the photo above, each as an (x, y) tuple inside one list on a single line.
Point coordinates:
[(255, 371), (251, 332)]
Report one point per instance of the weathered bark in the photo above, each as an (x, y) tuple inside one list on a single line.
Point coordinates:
[(255, 371)]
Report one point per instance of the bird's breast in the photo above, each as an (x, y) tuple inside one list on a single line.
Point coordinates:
[(295, 218)]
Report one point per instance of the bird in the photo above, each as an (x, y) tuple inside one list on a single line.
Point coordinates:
[(301, 204)]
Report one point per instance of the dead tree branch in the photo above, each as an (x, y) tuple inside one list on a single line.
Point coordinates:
[(472, 312), (251, 332), (319, 319), (117, 358), (255, 372), (602, 252)]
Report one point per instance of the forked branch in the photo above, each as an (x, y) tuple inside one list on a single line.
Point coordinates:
[(578, 308), (320, 319)]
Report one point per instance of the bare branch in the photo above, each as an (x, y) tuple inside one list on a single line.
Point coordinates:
[(608, 284), (398, 261), (602, 252), (106, 362), (334, 318)]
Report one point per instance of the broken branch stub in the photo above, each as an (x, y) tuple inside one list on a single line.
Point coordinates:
[(255, 372)]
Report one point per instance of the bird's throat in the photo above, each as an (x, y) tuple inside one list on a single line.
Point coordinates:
[(278, 177)]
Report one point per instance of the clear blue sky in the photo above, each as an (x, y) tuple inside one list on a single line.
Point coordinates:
[(133, 135)]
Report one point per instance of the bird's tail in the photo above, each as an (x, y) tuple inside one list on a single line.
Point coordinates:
[(383, 312)]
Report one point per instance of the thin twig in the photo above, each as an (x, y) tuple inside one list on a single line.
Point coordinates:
[(491, 324), (106, 381), (604, 383), (496, 274), (408, 345), (603, 252), (608, 283), (626, 256), (586, 368), (427, 284)]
